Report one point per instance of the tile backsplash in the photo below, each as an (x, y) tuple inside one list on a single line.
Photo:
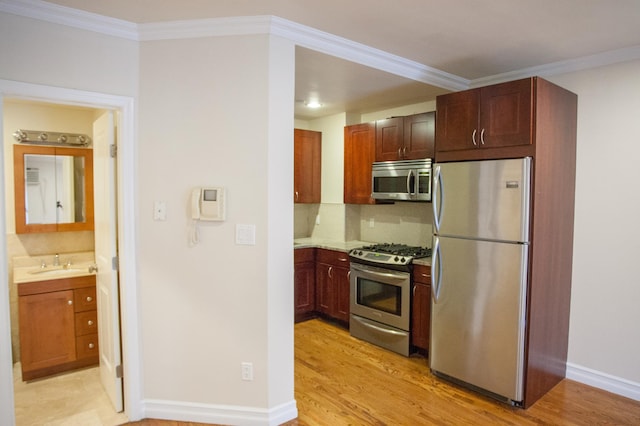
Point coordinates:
[(402, 222)]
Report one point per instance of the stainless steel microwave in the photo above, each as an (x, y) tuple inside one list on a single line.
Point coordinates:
[(408, 180)]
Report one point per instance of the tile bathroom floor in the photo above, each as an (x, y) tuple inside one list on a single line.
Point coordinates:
[(70, 399)]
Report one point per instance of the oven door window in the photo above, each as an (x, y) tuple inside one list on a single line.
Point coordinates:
[(379, 296)]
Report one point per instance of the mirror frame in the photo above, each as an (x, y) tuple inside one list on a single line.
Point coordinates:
[(19, 151)]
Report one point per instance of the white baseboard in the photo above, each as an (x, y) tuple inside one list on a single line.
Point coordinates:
[(603, 381), (219, 414)]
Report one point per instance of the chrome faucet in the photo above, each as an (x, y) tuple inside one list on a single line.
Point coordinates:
[(56, 260)]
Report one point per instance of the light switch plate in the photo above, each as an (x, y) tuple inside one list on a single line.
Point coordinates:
[(246, 234)]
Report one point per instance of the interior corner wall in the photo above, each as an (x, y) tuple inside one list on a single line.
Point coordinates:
[(206, 120), (604, 338)]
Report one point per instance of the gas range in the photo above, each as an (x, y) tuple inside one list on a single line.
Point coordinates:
[(395, 256)]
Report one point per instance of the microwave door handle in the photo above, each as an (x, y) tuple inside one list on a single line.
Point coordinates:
[(409, 182)]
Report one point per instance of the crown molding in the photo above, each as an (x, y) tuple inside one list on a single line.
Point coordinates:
[(49, 12), (303, 36), (299, 34), (211, 27), (563, 67), (364, 55)]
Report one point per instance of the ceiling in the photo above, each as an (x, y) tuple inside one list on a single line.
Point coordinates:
[(470, 39)]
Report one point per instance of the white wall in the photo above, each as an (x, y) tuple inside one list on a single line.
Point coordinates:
[(205, 309), (73, 59), (206, 116), (604, 335)]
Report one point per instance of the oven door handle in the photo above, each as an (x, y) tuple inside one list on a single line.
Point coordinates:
[(377, 273), (370, 324)]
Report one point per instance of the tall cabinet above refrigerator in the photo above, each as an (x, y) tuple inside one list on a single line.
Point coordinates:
[(503, 202)]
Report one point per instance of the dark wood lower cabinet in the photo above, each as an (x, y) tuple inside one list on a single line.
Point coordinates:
[(305, 283), (332, 284), (421, 308), (321, 284)]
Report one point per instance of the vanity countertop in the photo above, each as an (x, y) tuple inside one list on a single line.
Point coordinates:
[(42, 268)]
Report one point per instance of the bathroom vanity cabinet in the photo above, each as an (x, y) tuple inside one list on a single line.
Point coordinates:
[(58, 325)]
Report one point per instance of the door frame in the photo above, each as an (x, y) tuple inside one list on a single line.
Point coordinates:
[(127, 231)]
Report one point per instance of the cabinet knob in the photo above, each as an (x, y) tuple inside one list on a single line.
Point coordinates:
[(91, 346), (482, 137), (89, 322), (69, 302), (473, 137), (89, 299)]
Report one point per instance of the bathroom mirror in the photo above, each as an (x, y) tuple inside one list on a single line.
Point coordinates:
[(53, 188)]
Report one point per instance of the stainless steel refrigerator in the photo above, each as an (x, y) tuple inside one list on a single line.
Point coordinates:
[(479, 274)]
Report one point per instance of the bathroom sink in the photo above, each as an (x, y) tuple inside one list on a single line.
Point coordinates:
[(59, 270)]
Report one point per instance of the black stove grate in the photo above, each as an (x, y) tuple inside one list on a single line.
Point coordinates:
[(399, 249)]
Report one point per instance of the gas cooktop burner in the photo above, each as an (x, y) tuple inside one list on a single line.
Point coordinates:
[(389, 254)]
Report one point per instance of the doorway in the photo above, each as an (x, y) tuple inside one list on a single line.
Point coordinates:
[(125, 239)]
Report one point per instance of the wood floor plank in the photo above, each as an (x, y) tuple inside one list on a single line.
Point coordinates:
[(340, 380)]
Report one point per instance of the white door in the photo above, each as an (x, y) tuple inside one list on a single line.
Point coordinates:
[(106, 252)]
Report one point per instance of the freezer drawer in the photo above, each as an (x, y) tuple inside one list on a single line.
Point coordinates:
[(478, 313)]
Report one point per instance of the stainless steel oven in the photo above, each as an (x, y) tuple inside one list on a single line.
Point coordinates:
[(380, 295)]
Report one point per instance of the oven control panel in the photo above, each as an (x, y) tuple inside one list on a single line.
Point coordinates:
[(381, 258)]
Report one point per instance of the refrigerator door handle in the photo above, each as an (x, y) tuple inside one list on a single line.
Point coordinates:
[(437, 206), (436, 274)]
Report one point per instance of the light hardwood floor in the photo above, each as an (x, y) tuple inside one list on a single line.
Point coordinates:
[(340, 380)]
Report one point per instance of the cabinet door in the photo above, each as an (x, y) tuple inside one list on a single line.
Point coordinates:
[(506, 114), (389, 139), (304, 288), (341, 288), (307, 164), (359, 154), (324, 295), (419, 136), (457, 121), (47, 329), (421, 307)]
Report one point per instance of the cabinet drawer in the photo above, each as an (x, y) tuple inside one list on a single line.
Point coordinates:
[(422, 274), (86, 323), (87, 346), (304, 255), (332, 257), (84, 299)]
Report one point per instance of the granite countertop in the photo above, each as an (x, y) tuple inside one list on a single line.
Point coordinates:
[(345, 246)]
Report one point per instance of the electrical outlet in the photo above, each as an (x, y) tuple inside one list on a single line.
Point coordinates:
[(247, 371), (317, 219), (371, 222)]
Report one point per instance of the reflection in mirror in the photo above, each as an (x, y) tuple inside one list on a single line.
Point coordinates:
[(53, 189)]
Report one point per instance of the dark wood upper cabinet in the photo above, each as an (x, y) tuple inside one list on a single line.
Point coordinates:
[(405, 138), (488, 122), (307, 149), (359, 154)]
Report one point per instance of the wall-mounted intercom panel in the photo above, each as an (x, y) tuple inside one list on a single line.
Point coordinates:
[(208, 203)]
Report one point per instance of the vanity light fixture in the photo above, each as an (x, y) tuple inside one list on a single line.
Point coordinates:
[(39, 137)]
